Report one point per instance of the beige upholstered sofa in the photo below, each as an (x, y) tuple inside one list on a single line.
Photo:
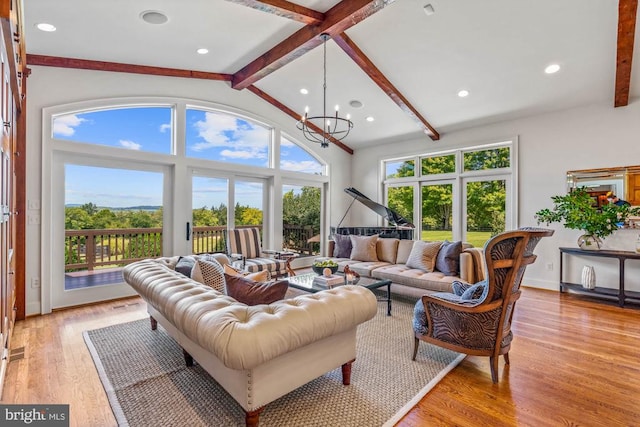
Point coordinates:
[(257, 353), (390, 262)]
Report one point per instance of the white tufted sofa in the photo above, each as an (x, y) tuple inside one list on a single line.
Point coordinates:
[(257, 353)]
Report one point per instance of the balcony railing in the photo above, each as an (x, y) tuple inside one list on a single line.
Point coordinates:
[(119, 247)]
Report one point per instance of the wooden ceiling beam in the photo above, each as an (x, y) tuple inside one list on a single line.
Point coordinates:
[(338, 19), (117, 67), (279, 105), (284, 9), (358, 56), (627, 11)]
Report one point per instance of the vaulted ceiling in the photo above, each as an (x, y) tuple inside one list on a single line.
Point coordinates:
[(404, 65)]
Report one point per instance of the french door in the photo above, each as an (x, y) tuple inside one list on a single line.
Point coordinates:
[(221, 201), (108, 214)]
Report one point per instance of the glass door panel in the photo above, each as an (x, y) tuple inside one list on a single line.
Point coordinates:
[(485, 210), (301, 219), (111, 217), (249, 203), (437, 212), (400, 199), (210, 201)]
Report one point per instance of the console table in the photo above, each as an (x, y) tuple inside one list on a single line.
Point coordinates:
[(619, 293)]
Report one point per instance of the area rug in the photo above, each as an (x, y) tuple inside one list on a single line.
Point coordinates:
[(148, 384)]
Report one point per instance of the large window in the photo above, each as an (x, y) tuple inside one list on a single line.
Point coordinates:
[(297, 159), (214, 135), (211, 168), (464, 194), (133, 128)]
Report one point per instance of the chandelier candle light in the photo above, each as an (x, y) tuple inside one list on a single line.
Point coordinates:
[(320, 129)]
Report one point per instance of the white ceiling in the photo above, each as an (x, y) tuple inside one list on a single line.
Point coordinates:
[(496, 49)]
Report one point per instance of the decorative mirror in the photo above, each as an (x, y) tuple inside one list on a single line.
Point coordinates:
[(622, 181)]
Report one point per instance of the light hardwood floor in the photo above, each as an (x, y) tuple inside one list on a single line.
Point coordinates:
[(574, 362)]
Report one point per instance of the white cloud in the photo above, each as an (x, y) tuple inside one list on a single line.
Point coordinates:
[(65, 125), (223, 130), (308, 166), (165, 127), (129, 144)]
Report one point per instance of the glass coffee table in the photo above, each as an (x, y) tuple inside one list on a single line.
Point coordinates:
[(305, 282)]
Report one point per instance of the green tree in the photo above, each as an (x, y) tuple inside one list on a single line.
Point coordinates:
[(77, 218), (204, 217), (251, 216)]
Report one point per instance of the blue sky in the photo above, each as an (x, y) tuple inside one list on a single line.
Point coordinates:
[(209, 135)]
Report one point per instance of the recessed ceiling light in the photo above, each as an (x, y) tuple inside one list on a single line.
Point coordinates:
[(154, 17), (428, 9), (553, 68), (369, 118), (43, 26), (355, 103), (202, 51), (463, 93), (304, 91)]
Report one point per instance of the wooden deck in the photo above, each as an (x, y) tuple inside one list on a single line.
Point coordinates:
[(88, 279)]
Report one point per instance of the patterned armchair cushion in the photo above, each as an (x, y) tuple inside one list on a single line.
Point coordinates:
[(477, 292)]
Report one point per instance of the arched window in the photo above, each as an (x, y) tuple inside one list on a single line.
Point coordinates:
[(224, 137), (295, 158), (144, 128)]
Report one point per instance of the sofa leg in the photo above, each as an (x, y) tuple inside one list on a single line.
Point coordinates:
[(346, 373), (252, 418), (154, 323), (188, 359)]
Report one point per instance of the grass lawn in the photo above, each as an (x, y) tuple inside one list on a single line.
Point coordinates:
[(476, 238)]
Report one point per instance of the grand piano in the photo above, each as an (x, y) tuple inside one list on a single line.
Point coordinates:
[(399, 227)]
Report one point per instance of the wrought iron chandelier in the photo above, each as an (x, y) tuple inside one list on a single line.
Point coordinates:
[(320, 129)]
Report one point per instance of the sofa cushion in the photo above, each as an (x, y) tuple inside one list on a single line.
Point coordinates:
[(209, 272), (448, 259), (259, 276), (423, 255), (185, 265), (400, 273), (342, 246), (251, 292), (364, 248), (387, 250), (404, 250), (366, 268)]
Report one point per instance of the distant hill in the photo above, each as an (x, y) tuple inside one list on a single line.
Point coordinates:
[(128, 208)]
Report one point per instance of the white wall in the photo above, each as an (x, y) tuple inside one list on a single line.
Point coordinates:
[(49, 87), (593, 136)]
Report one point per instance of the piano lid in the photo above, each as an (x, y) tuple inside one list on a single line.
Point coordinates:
[(389, 214)]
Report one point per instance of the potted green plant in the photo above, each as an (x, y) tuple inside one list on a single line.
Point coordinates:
[(577, 211)]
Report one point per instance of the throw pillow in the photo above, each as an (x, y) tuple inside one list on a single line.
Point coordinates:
[(258, 276), (185, 265), (448, 260), (459, 287), (475, 292), (210, 273), (342, 246), (423, 255), (253, 293), (364, 248)]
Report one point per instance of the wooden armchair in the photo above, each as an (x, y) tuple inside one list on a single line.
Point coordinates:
[(476, 319), (245, 249)]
